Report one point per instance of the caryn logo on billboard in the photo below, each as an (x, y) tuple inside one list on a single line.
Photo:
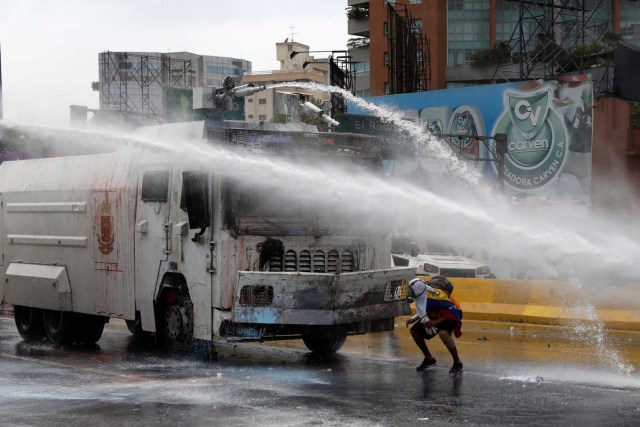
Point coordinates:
[(537, 139)]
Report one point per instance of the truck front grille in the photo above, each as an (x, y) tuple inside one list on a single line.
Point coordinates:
[(348, 262), (290, 261), (332, 264), (320, 262), (305, 262), (275, 262)]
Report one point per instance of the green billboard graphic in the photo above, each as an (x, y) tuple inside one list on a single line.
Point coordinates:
[(537, 139), (548, 125)]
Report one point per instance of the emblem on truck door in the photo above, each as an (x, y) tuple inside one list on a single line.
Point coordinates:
[(106, 237)]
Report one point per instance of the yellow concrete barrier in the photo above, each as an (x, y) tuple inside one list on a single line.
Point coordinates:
[(547, 302)]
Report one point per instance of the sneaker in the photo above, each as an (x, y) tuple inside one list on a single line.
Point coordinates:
[(425, 364), (457, 367)]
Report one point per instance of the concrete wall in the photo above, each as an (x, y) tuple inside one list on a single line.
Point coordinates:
[(547, 302)]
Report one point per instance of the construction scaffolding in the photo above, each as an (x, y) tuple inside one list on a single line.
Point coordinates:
[(136, 83), (408, 62), (342, 76), (544, 40)]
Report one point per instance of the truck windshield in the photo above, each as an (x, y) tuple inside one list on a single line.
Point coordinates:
[(267, 213), (271, 212)]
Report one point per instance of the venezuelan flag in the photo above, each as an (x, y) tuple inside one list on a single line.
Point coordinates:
[(441, 303)]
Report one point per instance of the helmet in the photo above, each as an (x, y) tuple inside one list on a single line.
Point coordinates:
[(413, 293), (441, 282)]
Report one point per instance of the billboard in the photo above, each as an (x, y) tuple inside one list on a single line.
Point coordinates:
[(548, 125)]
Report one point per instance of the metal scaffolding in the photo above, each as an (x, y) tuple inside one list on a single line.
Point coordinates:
[(408, 62), (340, 75), (136, 83), (547, 31)]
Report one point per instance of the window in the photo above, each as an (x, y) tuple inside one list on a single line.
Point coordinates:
[(415, 1), (195, 198), (262, 117), (362, 67), (155, 186), (386, 88), (386, 59), (416, 25), (468, 23), (250, 100), (262, 101)]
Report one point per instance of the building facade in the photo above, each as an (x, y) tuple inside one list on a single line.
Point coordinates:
[(161, 86), (278, 104), (458, 29)]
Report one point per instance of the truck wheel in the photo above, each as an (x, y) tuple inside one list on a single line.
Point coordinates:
[(324, 345), (176, 323), (29, 322), (90, 328), (60, 326)]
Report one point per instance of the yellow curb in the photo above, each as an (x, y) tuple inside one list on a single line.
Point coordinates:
[(540, 302)]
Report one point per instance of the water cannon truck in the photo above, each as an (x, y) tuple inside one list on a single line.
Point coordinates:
[(187, 254)]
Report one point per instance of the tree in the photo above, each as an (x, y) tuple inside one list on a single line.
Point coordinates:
[(500, 53), (357, 12), (279, 118)]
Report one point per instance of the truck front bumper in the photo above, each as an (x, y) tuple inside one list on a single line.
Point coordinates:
[(271, 298)]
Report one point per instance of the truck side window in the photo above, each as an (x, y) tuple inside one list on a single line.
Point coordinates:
[(195, 199), (155, 186), (400, 261)]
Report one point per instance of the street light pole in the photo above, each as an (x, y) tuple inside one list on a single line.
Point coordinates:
[(501, 151)]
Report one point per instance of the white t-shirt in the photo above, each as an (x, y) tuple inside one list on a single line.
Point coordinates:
[(420, 300)]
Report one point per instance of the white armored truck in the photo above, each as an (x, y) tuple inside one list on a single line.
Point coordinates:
[(185, 253)]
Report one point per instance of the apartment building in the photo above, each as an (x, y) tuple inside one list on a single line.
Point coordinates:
[(296, 65), (458, 29)]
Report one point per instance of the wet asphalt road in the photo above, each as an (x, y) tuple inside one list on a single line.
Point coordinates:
[(511, 377)]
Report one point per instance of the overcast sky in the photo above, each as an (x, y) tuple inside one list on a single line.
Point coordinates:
[(50, 48)]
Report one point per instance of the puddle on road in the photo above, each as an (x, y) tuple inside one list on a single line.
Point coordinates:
[(600, 379)]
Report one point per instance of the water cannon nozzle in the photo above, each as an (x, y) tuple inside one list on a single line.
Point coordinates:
[(328, 120), (247, 90), (317, 111)]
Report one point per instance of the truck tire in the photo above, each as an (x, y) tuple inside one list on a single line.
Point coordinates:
[(175, 322), (324, 345), (29, 322), (90, 328), (60, 326)]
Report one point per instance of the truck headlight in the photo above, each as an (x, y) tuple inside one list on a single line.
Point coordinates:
[(428, 268), (483, 270)]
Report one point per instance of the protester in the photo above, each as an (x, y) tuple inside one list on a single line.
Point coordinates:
[(437, 313)]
